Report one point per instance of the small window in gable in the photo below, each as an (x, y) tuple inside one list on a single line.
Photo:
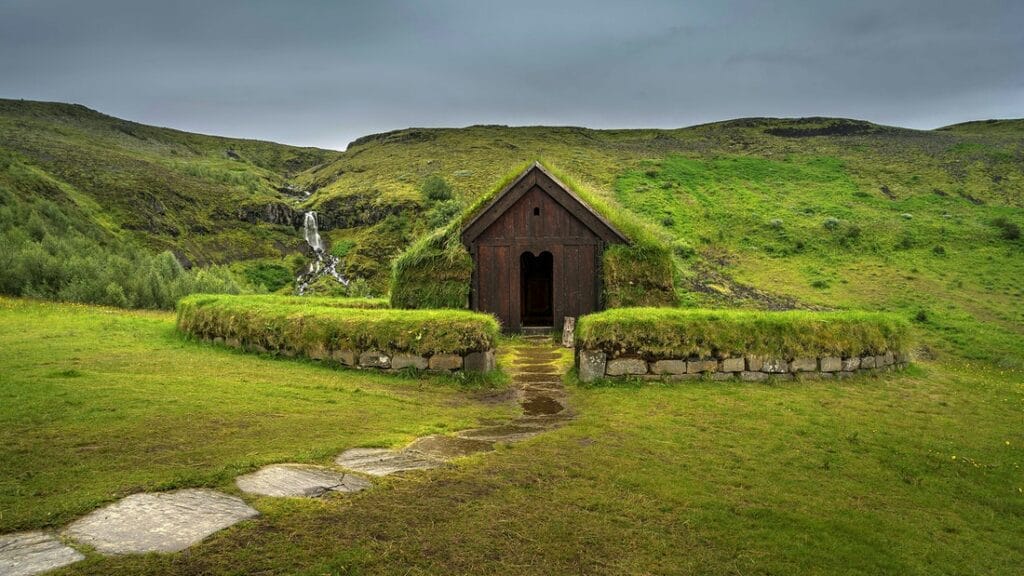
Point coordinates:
[(536, 211)]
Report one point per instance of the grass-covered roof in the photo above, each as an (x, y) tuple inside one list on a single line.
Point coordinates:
[(436, 270)]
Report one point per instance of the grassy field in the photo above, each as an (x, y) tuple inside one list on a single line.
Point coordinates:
[(920, 472), (97, 403), (914, 473)]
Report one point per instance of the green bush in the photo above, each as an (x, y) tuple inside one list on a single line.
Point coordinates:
[(436, 189), (314, 329), (271, 276), (665, 332), (1007, 230), (46, 254)]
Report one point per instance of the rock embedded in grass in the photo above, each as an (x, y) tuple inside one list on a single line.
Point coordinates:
[(382, 461), (299, 481), (161, 522), (591, 365), (29, 553)]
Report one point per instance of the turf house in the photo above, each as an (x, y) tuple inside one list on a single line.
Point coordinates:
[(532, 253)]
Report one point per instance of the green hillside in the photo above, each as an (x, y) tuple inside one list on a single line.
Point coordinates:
[(209, 199), (761, 212)]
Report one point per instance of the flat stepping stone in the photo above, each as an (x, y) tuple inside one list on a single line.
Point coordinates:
[(381, 461), (503, 433), (28, 553), (299, 481), (161, 522), (541, 406), (553, 379), (448, 447), (539, 369)]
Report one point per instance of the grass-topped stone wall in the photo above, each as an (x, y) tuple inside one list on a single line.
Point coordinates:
[(660, 343), (359, 337), (436, 271)]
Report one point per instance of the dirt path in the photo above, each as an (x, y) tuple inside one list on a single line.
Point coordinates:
[(536, 367)]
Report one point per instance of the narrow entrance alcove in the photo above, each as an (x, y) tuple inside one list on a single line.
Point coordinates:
[(536, 289)]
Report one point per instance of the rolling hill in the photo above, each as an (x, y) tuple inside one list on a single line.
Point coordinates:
[(761, 212)]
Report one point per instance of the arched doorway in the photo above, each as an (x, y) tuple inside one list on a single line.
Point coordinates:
[(536, 289)]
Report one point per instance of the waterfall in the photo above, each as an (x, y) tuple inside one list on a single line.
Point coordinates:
[(323, 264), (312, 233)]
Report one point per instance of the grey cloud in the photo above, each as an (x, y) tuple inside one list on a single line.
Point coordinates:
[(324, 73)]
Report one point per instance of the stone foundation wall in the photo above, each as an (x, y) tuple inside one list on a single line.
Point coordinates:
[(481, 361), (594, 364)]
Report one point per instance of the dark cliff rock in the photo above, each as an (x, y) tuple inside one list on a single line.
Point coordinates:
[(358, 210), (271, 212)]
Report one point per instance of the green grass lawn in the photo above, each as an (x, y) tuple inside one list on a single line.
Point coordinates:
[(920, 472), (97, 403)]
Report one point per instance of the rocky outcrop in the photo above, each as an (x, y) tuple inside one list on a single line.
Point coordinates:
[(358, 210), (270, 212)]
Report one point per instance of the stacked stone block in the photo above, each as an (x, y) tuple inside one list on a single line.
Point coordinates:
[(479, 361), (594, 364)]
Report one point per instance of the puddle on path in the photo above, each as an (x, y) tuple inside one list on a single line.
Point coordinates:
[(541, 406)]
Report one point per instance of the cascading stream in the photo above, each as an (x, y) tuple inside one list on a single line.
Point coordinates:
[(323, 264)]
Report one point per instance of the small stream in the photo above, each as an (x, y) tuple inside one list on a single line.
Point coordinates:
[(323, 264)]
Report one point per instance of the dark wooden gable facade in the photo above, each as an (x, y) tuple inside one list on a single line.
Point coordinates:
[(536, 252)]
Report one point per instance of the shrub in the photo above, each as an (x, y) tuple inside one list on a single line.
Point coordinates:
[(436, 189), (1007, 230), (683, 249), (313, 328), (341, 248), (45, 254), (271, 276), (664, 332)]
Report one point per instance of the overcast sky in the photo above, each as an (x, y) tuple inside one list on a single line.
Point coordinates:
[(323, 73)]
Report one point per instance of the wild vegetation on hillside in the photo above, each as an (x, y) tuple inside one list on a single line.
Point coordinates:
[(760, 213)]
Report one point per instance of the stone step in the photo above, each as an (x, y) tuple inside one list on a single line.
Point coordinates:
[(382, 461), (160, 522), (29, 553), (299, 481)]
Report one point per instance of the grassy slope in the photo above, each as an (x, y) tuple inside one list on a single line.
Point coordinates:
[(778, 213), (97, 403), (170, 189)]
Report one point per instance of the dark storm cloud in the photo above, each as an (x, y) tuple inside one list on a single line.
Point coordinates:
[(323, 73)]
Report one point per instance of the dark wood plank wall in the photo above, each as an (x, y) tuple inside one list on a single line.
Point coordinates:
[(575, 251)]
